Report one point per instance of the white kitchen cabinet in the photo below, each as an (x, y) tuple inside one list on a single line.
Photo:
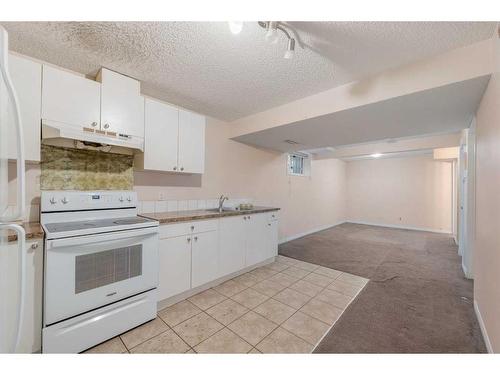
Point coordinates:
[(257, 239), (26, 77), (204, 258), (272, 238), (232, 244), (191, 142), (122, 107), (32, 319), (161, 137), (174, 266), (70, 99)]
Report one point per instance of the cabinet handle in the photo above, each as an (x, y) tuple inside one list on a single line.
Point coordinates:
[(249, 218), (244, 217), (94, 123), (192, 227), (269, 225), (106, 126), (34, 246), (189, 239), (196, 238), (175, 168), (182, 168)]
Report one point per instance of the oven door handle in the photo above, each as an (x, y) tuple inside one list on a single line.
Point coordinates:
[(97, 238)]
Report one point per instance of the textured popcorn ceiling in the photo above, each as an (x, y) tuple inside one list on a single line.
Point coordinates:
[(203, 67)]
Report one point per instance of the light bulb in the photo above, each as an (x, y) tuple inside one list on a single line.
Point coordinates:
[(235, 27)]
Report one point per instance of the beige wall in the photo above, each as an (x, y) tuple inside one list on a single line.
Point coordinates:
[(409, 191), (487, 239), (240, 171)]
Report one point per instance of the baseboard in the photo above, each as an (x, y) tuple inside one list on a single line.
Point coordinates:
[(398, 226), (466, 270), (303, 234), (483, 328)]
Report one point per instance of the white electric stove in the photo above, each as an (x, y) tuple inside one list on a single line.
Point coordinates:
[(100, 269)]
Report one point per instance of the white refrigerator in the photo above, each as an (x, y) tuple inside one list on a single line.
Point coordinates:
[(12, 207)]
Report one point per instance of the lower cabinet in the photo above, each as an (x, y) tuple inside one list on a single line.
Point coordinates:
[(175, 266), (189, 259), (204, 258)]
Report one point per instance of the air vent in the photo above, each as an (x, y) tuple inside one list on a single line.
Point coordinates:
[(290, 142)]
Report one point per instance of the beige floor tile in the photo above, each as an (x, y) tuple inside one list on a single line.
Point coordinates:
[(318, 279), (143, 333), (275, 311), (178, 313), (254, 351), (166, 342), (306, 266), (207, 299), (252, 327), (246, 279), (262, 273), (285, 260), (344, 288), (292, 298), (224, 341), (284, 279), (352, 279), (334, 298), (268, 287), (322, 311), (250, 298), (329, 272), (113, 346), (306, 288), (297, 272), (282, 341), (198, 328), (230, 288), (277, 266), (190, 351), (306, 327), (227, 311)]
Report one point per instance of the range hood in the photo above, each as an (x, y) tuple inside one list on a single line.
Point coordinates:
[(53, 131)]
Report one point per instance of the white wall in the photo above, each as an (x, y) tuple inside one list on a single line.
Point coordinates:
[(412, 192)]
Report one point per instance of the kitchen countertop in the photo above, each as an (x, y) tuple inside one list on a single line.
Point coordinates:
[(191, 215), (33, 231)]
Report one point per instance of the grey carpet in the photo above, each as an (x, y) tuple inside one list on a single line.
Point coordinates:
[(417, 301)]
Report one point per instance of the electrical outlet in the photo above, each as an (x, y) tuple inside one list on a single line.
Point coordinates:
[(162, 196)]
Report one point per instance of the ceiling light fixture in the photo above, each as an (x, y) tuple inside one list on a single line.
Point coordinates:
[(272, 35), (235, 27), (376, 155)]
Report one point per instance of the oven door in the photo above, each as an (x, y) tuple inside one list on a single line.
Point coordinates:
[(87, 272)]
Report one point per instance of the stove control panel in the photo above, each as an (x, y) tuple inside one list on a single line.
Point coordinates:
[(56, 200)]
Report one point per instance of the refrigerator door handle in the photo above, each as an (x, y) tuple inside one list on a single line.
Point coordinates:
[(4, 71), (21, 241)]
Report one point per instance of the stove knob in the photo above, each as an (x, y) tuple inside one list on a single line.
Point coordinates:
[(129, 199), (53, 200), (121, 199), (64, 200)]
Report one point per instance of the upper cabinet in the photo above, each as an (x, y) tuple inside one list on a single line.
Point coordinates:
[(191, 142), (27, 79), (70, 99), (174, 139), (122, 107)]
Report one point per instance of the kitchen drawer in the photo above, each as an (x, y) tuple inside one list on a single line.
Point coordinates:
[(273, 216), (189, 227)]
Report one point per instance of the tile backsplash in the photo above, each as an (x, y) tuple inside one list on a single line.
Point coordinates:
[(73, 169), (185, 205)]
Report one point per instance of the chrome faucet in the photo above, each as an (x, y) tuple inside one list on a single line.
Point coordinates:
[(222, 198)]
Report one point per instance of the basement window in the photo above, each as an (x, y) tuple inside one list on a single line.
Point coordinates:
[(299, 164)]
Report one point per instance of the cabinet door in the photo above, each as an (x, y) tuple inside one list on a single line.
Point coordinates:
[(191, 142), (232, 239), (161, 133), (122, 107), (257, 239), (272, 238), (175, 266), (27, 79), (205, 261), (69, 98)]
